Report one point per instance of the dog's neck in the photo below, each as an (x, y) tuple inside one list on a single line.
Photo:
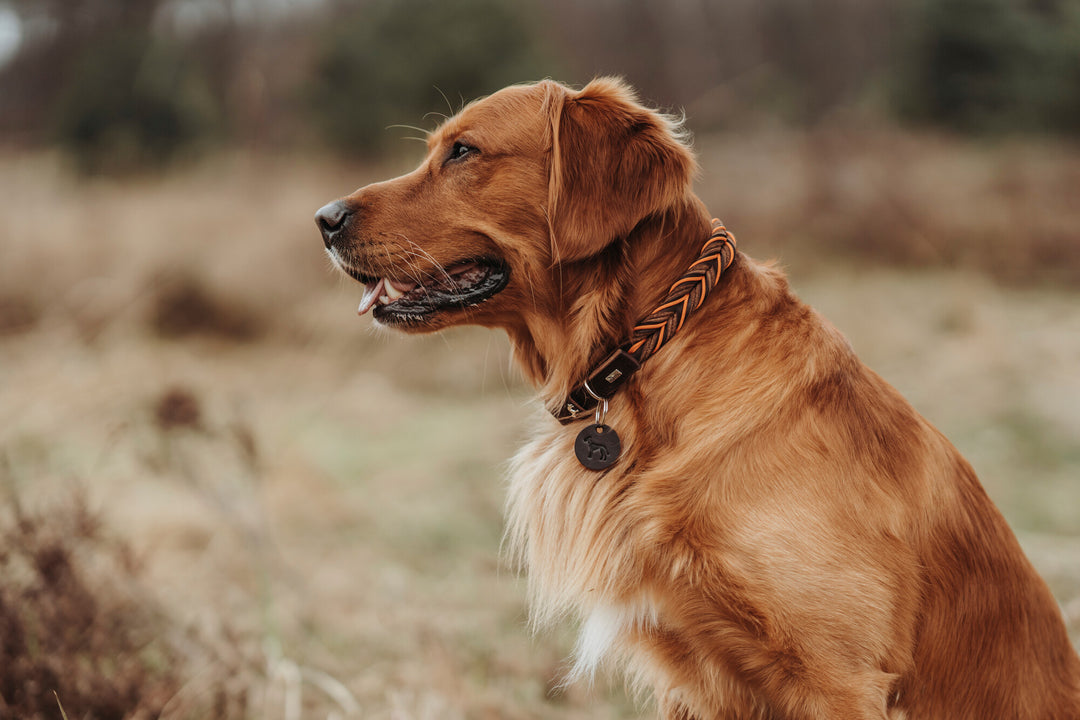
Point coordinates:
[(598, 300)]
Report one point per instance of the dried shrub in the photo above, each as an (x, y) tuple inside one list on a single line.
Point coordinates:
[(17, 315), (186, 308), (78, 632), (178, 407)]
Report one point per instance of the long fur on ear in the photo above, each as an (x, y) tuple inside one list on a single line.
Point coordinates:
[(614, 162)]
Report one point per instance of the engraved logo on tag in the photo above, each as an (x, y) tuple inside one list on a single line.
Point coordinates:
[(613, 376), (597, 447)]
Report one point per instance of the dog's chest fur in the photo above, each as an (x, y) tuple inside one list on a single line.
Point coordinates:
[(574, 532)]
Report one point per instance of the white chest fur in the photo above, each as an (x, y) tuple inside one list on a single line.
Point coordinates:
[(604, 631)]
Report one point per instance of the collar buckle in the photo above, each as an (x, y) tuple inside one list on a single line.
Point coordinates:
[(603, 382)]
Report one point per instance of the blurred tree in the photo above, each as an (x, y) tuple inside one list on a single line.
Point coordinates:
[(132, 101), (730, 62), (992, 65), (54, 35), (96, 77), (125, 82), (395, 61)]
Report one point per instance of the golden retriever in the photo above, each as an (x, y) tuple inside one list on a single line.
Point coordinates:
[(780, 534)]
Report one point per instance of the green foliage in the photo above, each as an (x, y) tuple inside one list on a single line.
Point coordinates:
[(993, 65), (132, 101), (395, 61)]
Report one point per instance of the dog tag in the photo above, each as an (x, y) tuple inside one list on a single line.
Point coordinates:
[(597, 447)]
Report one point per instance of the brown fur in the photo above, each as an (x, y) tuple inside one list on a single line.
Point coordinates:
[(783, 536)]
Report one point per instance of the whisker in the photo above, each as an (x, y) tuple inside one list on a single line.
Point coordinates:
[(532, 289), (436, 274), (424, 253), (409, 127), (445, 99), (417, 274)]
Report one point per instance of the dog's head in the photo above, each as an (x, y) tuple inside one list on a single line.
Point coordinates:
[(515, 192)]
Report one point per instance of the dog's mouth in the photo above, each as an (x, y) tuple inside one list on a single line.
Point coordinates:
[(461, 285)]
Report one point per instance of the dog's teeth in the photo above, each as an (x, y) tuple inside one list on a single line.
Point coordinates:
[(383, 300), (391, 291)]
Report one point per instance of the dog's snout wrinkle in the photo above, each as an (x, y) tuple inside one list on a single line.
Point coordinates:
[(331, 220)]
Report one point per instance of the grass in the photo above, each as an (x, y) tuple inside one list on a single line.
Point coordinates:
[(312, 510)]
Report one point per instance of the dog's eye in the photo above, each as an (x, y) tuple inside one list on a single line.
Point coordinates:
[(460, 151)]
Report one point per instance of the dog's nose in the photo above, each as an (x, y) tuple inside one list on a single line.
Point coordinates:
[(331, 219)]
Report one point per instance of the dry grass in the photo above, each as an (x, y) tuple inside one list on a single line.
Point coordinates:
[(313, 510)]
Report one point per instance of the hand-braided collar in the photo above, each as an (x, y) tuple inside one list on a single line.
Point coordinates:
[(653, 332)]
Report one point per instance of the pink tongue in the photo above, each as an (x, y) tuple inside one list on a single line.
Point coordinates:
[(372, 291)]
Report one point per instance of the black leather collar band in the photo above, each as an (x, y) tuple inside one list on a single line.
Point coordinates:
[(605, 379)]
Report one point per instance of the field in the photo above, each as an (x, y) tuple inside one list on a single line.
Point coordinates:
[(223, 495)]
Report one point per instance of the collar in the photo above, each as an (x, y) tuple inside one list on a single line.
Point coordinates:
[(654, 331)]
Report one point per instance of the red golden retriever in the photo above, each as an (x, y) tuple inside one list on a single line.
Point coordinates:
[(776, 533)]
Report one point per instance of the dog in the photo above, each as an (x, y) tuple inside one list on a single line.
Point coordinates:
[(774, 531)]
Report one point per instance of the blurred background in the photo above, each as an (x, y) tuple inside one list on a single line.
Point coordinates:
[(224, 496)]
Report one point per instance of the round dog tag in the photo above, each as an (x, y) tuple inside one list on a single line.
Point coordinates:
[(597, 447)]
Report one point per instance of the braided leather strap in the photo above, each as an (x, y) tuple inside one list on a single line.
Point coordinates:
[(648, 336), (685, 296)]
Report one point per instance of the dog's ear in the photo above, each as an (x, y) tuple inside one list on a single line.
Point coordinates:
[(614, 162)]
